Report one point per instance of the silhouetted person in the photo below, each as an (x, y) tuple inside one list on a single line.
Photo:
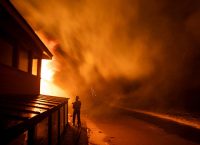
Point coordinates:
[(77, 108)]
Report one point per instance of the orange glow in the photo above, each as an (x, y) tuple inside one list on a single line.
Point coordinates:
[(189, 121), (48, 69), (181, 120), (47, 86)]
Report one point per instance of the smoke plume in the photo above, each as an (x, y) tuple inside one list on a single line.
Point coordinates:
[(138, 53)]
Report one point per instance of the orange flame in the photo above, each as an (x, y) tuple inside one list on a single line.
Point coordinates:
[(48, 69), (47, 86)]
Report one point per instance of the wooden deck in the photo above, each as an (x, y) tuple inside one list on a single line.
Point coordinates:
[(32, 119)]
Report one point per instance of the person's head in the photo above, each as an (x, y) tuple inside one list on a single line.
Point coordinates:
[(77, 97)]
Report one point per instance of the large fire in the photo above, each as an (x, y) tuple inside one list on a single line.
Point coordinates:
[(48, 86), (143, 52)]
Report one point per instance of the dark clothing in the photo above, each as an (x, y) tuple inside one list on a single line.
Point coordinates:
[(76, 107), (76, 113)]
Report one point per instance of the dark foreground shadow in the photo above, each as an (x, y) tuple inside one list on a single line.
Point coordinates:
[(74, 135)]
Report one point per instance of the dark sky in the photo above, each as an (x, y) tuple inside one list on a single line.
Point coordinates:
[(141, 53)]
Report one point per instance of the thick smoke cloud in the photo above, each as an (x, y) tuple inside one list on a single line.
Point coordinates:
[(138, 53)]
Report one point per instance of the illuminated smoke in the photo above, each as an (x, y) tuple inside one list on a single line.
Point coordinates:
[(145, 52), (49, 69)]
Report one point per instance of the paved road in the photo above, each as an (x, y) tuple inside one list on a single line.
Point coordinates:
[(126, 130)]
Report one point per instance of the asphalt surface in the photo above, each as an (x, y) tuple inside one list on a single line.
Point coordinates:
[(127, 130)]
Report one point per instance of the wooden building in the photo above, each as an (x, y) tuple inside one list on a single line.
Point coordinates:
[(26, 116)]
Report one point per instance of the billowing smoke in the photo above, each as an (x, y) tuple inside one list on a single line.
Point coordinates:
[(138, 53)]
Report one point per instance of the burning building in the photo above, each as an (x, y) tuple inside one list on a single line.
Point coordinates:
[(141, 54), (26, 117)]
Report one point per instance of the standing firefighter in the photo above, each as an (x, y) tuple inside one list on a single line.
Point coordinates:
[(77, 107)]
